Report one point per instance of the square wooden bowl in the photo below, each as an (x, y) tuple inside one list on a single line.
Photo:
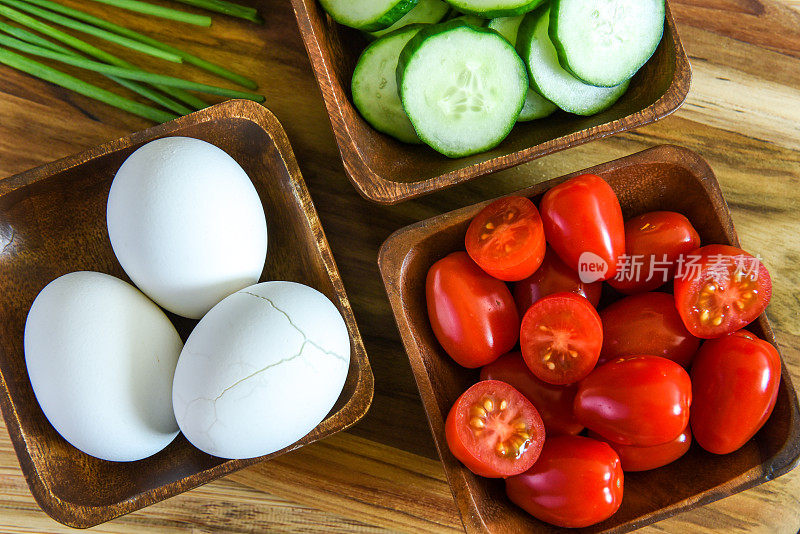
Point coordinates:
[(661, 178), (387, 171), (53, 221)]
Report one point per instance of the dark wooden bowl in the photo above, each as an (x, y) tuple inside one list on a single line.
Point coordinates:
[(387, 171), (52, 221), (661, 178)]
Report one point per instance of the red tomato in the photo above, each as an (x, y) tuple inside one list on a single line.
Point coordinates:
[(653, 243), (735, 384), (561, 338), (647, 323), (553, 276), (506, 238), (583, 215), (636, 400), (554, 403), (721, 292), (494, 430), (576, 482), (472, 314), (646, 458)]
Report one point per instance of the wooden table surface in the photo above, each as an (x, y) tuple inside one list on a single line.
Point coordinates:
[(742, 115)]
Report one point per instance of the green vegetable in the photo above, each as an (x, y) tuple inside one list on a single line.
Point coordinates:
[(59, 78), (159, 11), (227, 8)]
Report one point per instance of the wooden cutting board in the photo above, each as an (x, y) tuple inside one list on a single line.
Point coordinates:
[(742, 115)]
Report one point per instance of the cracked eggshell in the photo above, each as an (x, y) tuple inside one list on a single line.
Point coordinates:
[(261, 370), (186, 224), (101, 358)]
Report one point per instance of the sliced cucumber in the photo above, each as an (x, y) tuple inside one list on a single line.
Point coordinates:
[(507, 27), (367, 15), (375, 85), (490, 9), (462, 87), (425, 12), (604, 42), (549, 79), (536, 107), (472, 19)]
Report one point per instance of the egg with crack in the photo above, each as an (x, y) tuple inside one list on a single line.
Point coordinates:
[(261, 370)]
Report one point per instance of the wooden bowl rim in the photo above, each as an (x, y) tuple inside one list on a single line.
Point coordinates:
[(82, 516)]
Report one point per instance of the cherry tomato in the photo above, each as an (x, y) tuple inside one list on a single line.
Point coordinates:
[(494, 430), (554, 403), (735, 383), (647, 323), (561, 338), (583, 215), (506, 238), (724, 290), (553, 276), (646, 458), (472, 314), (653, 243), (576, 482), (635, 400)]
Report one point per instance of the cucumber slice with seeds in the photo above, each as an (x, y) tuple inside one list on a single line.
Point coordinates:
[(425, 12), (367, 15), (605, 42), (374, 85), (490, 9), (547, 76), (461, 86)]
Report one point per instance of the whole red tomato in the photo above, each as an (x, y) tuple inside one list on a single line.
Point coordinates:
[(576, 482), (554, 403), (721, 290), (583, 215), (646, 458), (735, 382), (653, 243), (647, 323), (472, 314), (506, 238), (635, 400), (553, 276), (494, 430)]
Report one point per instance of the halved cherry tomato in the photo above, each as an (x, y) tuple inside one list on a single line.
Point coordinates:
[(576, 482), (473, 315), (494, 430), (553, 276), (583, 215), (506, 238), (722, 291), (561, 337), (647, 323), (554, 403), (735, 381), (646, 458), (653, 243), (635, 400)]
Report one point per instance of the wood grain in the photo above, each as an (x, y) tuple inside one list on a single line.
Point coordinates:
[(759, 171)]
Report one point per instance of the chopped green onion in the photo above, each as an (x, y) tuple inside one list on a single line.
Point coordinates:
[(86, 48), (91, 30), (226, 8), (158, 11), (59, 78), (121, 30), (131, 74), (150, 94)]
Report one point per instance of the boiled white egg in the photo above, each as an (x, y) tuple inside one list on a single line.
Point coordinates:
[(186, 224), (101, 359), (261, 370)]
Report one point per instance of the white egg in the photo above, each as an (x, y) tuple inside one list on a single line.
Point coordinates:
[(261, 370), (101, 359), (186, 224)]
